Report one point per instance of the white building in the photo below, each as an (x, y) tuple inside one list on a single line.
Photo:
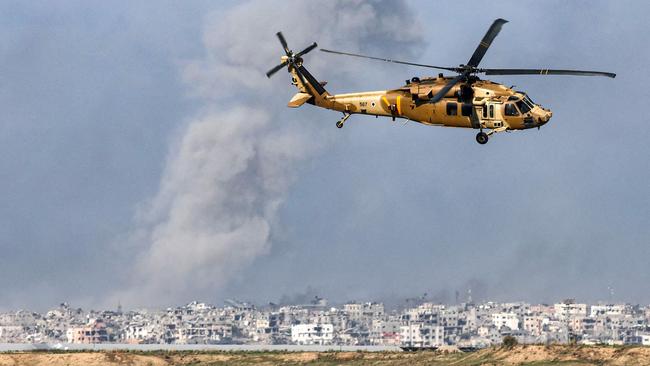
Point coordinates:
[(533, 324), (519, 308), (607, 310), (368, 310), (509, 320), (489, 335), (93, 332), (136, 333), (568, 309), (385, 332), (312, 334), (11, 333), (645, 339), (448, 317), (422, 335)]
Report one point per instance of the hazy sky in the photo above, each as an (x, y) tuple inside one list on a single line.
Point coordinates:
[(145, 157)]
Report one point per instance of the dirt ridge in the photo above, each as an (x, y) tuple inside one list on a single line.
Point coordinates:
[(520, 355)]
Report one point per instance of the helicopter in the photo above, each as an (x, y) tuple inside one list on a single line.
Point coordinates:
[(463, 100)]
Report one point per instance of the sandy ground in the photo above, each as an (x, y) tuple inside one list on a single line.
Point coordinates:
[(521, 355), (565, 355)]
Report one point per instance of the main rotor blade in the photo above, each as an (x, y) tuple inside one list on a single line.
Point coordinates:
[(284, 43), (445, 89), (545, 72), (306, 50), (494, 30), (389, 60), (276, 69)]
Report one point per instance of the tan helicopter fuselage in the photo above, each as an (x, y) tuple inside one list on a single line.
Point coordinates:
[(492, 106)]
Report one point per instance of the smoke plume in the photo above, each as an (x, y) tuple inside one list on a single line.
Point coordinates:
[(229, 174)]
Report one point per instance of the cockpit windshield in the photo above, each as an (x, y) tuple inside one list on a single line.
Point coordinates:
[(523, 106), (523, 96), (528, 100), (523, 102)]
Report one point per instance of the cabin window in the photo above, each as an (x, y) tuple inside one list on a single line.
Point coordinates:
[(466, 109), (491, 111), (452, 109), (485, 108), (511, 110)]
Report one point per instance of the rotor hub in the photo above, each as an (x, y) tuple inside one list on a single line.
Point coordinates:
[(290, 58)]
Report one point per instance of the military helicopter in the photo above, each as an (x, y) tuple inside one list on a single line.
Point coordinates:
[(460, 101)]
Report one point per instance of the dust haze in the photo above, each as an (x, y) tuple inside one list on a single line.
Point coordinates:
[(229, 174)]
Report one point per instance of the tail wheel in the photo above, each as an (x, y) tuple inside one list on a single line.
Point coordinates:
[(339, 124), (482, 138)]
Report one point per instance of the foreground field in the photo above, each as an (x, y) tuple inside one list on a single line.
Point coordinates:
[(520, 355)]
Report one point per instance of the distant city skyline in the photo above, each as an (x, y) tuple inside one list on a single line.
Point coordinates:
[(389, 304), (423, 324)]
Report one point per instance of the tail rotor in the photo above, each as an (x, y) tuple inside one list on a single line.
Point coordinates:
[(291, 58)]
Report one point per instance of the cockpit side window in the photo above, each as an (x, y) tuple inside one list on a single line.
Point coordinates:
[(511, 110)]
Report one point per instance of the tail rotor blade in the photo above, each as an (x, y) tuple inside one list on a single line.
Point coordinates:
[(284, 43), (276, 69), (290, 58), (307, 50), (482, 48)]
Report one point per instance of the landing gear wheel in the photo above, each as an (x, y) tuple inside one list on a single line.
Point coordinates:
[(482, 138), (339, 124)]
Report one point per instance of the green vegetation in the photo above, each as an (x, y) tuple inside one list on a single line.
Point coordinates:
[(509, 342)]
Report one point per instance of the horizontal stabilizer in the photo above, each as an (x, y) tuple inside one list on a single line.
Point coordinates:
[(298, 100)]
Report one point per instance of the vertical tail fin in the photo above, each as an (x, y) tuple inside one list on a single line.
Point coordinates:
[(313, 84), (310, 90)]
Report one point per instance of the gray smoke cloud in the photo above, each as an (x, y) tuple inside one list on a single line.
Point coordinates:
[(228, 175)]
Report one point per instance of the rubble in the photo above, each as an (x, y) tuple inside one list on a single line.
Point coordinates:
[(473, 325)]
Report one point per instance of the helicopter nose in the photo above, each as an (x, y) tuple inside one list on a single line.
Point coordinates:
[(544, 117)]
